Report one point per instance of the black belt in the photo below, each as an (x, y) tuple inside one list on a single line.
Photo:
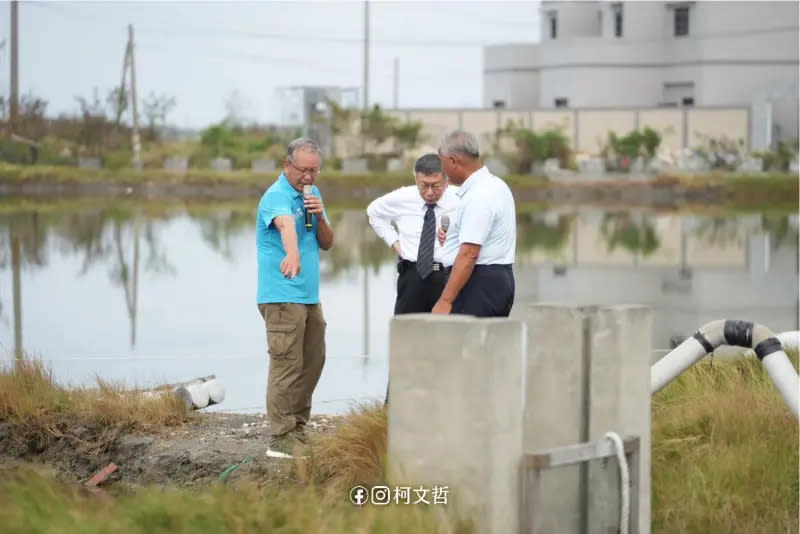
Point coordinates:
[(437, 266), (488, 267)]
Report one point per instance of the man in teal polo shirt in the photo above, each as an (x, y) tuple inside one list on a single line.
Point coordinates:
[(288, 294)]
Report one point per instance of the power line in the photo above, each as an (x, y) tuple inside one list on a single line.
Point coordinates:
[(243, 34), (384, 73)]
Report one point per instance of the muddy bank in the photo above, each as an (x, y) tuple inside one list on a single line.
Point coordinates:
[(618, 192), (193, 454)]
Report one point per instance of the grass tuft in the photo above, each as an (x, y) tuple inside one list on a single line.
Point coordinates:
[(354, 454), (39, 410), (32, 502), (724, 452)]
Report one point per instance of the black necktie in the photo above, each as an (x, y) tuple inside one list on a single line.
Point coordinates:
[(426, 239)]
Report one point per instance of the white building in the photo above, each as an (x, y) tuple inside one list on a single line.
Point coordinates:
[(305, 107), (299, 103), (603, 54)]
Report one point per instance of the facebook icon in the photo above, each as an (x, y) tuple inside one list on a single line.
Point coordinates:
[(358, 495)]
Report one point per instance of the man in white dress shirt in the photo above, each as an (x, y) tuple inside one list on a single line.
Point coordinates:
[(416, 210), (480, 244)]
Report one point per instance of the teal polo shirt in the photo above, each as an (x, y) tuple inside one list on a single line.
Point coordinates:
[(282, 199)]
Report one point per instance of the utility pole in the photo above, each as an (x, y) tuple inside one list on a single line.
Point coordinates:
[(17, 283), (122, 90), (396, 82), (366, 55), (14, 107), (137, 160)]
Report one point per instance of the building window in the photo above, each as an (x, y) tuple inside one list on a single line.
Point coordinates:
[(553, 20), (681, 21), (499, 104), (562, 103), (679, 93), (617, 10)]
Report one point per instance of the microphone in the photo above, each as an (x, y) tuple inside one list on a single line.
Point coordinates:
[(445, 222), (306, 194)]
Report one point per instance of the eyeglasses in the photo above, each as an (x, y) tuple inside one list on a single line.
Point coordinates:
[(432, 187), (303, 172)]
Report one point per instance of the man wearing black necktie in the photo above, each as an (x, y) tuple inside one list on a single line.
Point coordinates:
[(416, 211)]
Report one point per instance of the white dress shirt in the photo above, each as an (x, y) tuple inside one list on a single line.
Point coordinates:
[(406, 208), (486, 217)]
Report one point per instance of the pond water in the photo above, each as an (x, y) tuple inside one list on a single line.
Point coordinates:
[(145, 293)]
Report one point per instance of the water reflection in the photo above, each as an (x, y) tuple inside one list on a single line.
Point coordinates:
[(142, 292)]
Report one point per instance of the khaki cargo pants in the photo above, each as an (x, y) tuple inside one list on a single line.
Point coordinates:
[(296, 340)]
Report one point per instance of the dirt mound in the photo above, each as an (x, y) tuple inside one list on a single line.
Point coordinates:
[(195, 453)]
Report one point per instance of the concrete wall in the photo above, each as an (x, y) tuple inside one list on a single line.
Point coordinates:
[(586, 129), (717, 123), (576, 18), (594, 127), (516, 83), (667, 122)]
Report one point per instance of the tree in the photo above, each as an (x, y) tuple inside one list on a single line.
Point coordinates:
[(376, 126), (156, 108), (407, 134), (93, 122), (117, 100), (218, 137)]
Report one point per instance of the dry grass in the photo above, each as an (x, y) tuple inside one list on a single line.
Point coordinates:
[(725, 459), (39, 410), (32, 502), (352, 455), (725, 452)]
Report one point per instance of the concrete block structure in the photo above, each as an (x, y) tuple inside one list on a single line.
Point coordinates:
[(455, 412)]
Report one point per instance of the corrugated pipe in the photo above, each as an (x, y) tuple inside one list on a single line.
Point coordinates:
[(769, 348)]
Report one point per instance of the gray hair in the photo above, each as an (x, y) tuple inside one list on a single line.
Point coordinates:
[(428, 164), (302, 144), (461, 143)]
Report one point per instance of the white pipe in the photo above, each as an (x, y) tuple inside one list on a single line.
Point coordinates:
[(790, 341), (675, 363), (199, 395), (738, 333), (784, 375), (216, 392)]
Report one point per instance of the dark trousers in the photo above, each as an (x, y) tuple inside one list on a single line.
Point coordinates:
[(415, 295), (489, 292)]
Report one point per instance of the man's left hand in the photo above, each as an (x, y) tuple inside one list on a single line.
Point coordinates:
[(442, 307), (313, 205)]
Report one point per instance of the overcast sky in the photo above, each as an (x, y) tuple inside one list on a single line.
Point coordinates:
[(200, 52)]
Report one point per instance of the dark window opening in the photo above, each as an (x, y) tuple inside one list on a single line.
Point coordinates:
[(688, 101), (553, 25), (681, 21), (499, 104), (617, 20), (562, 103)]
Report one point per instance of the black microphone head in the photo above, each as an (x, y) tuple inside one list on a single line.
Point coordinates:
[(445, 222), (306, 194)]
